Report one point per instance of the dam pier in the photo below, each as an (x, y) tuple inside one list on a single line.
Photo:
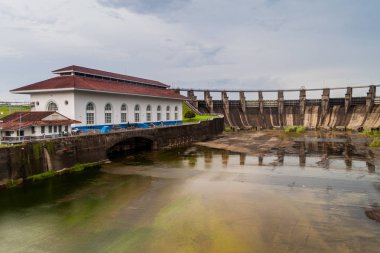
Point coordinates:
[(345, 112)]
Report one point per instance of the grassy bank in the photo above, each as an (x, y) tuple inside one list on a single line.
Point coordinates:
[(6, 110), (197, 117)]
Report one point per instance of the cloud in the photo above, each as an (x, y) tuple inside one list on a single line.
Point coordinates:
[(146, 6), (215, 43)]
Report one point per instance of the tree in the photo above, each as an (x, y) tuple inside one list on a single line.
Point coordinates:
[(189, 114)]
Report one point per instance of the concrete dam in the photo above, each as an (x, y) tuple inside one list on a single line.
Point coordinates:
[(349, 112)]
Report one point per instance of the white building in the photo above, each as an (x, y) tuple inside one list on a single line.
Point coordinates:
[(29, 125), (98, 98)]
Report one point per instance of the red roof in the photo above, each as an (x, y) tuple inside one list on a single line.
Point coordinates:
[(13, 122), (97, 72), (93, 84)]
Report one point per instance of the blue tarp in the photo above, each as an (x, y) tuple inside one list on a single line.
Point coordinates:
[(105, 129)]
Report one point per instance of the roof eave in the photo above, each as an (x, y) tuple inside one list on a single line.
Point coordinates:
[(97, 91)]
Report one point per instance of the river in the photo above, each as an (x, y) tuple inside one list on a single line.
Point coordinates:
[(199, 200)]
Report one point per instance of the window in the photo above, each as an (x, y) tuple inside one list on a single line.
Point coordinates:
[(59, 129), (137, 113), (42, 129), (159, 113), (33, 130), (176, 113), (167, 112), (66, 129), (50, 129), (55, 129), (148, 113), (123, 115), (90, 114), (108, 114), (52, 107)]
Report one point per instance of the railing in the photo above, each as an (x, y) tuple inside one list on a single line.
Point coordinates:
[(358, 101), (270, 103)]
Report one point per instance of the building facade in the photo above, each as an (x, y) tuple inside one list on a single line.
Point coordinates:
[(97, 99), (34, 125)]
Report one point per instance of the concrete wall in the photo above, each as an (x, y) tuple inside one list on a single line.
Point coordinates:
[(36, 157)]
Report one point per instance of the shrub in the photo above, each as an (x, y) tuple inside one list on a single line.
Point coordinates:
[(300, 129), (294, 129), (375, 143), (189, 115)]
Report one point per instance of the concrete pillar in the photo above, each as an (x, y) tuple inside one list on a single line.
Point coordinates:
[(302, 106), (226, 103), (193, 98), (370, 99), (243, 104), (208, 101), (261, 102), (347, 99), (325, 101), (280, 105), (302, 101)]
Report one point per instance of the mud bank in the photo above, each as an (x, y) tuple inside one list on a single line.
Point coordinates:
[(269, 142)]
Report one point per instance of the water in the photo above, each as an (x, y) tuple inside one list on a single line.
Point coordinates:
[(200, 200)]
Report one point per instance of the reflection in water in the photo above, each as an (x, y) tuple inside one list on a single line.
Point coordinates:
[(181, 201), (242, 158), (225, 155)]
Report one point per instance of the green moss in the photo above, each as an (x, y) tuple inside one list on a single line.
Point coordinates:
[(84, 166), (41, 176), (50, 147), (12, 183), (37, 151)]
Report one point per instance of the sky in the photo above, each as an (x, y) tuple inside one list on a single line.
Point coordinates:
[(240, 44)]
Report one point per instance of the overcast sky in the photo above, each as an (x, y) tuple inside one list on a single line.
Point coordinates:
[(243, 44)]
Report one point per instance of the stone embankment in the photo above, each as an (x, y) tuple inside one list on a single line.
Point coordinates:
[(23, 161)]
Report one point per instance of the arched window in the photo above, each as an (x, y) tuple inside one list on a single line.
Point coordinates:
[(108, 114), (123, 114), (176, 113), (167, 112), (52, 107), (159, 113), (148, 113), (137, 113), (90, 113)]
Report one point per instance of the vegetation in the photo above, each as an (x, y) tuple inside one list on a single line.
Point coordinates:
[(375, 143), (41, 176), (84, 166), (294, 129), (6, 110), (12, 183), (371, 133), (187, 111), (189, 115)]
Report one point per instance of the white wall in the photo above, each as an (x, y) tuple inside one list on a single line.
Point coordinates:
[(116, 100), (38, 133), (59, 98)]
